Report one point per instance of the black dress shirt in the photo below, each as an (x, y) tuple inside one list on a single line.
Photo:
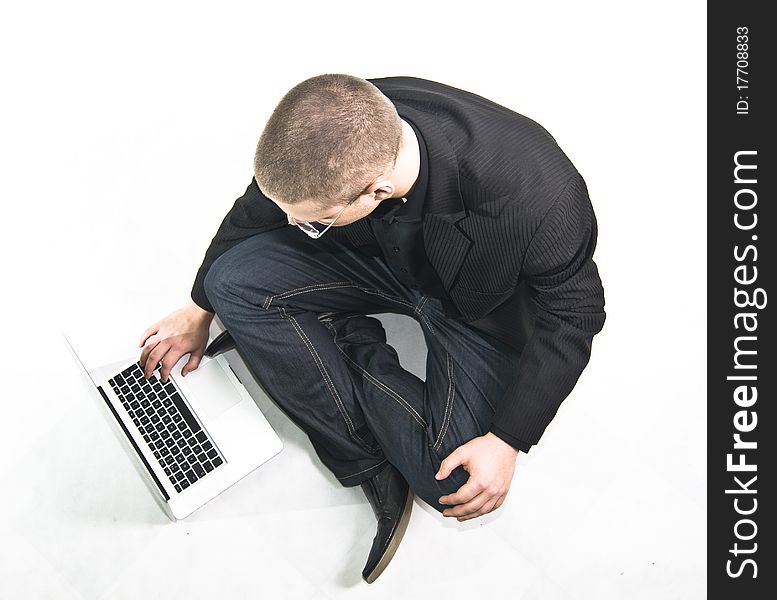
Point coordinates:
[(507, 236), (397, 234)]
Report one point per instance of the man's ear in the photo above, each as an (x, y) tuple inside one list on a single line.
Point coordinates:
[(383, 189)]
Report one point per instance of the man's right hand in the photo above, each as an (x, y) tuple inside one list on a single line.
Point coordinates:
[(181, 332)]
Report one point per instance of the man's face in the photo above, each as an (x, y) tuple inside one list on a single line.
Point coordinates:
[(344, 214)]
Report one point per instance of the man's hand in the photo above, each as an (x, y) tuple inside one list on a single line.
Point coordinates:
[(181, 332), (490, 463)]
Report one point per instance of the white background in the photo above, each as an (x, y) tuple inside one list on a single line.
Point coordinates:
[(126, 132)]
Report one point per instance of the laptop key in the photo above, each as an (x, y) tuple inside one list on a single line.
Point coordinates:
[(201, 437), (199, 470), (208, 466), (217, 461), (191, 475), (184, 410)]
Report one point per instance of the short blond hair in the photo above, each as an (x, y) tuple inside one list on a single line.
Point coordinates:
[(326, 140)]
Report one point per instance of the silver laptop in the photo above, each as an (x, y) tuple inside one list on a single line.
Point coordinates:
[(190, 438)]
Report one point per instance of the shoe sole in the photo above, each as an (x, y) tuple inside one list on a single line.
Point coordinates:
[(395, 540)]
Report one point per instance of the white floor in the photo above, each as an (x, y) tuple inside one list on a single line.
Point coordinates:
[(589, 516)]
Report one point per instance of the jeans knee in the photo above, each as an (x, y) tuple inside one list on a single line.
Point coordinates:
[(215, 283), (230, 286), (430, 490)]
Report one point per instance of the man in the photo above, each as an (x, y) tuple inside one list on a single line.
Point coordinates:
[(413, 197)]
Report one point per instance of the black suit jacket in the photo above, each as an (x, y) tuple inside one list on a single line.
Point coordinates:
[(510, 230)]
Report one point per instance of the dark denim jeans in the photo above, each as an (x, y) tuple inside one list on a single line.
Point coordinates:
[(297, 308)]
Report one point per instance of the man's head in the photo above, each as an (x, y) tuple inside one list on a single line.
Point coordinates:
[(328, 140)]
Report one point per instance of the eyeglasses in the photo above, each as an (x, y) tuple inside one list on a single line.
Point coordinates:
[(311, 230)]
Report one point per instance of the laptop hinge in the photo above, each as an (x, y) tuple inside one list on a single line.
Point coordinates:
[(134, 444)]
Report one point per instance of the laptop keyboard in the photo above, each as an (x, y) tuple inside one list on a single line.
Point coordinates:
[(183, 449)]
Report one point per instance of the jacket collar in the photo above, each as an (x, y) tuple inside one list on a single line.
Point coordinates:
[(443, 197)]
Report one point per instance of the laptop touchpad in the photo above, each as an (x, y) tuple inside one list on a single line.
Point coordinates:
[(213, 392)]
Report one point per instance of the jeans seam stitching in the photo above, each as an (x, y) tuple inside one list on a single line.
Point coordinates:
[(375, 292), (449, 404), (316, 287), (384, 388), (325, 376), (363, 470), (421, 305), (417, 310)]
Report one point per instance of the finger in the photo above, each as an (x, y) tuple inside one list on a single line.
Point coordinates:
[(192, 363), (148, 333), (152, 343), (500, 501), (156, 355), (171, 359), (463, 495), (483, 510), (467, 508), (453, 460)]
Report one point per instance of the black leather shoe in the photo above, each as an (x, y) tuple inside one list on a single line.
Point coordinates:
[(391, 500), (220, 344)]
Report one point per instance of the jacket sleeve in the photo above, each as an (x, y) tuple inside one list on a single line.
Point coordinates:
[(567, 292), (252, 213)]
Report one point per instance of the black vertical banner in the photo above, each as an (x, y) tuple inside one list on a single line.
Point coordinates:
[(741, 299)]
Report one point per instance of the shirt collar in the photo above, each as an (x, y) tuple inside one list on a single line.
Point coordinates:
[(443, 196), (411, 209)]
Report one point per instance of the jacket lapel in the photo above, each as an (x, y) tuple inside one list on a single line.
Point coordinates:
[(446, 244)]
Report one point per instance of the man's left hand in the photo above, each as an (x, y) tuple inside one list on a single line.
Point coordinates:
[(490, 463)]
